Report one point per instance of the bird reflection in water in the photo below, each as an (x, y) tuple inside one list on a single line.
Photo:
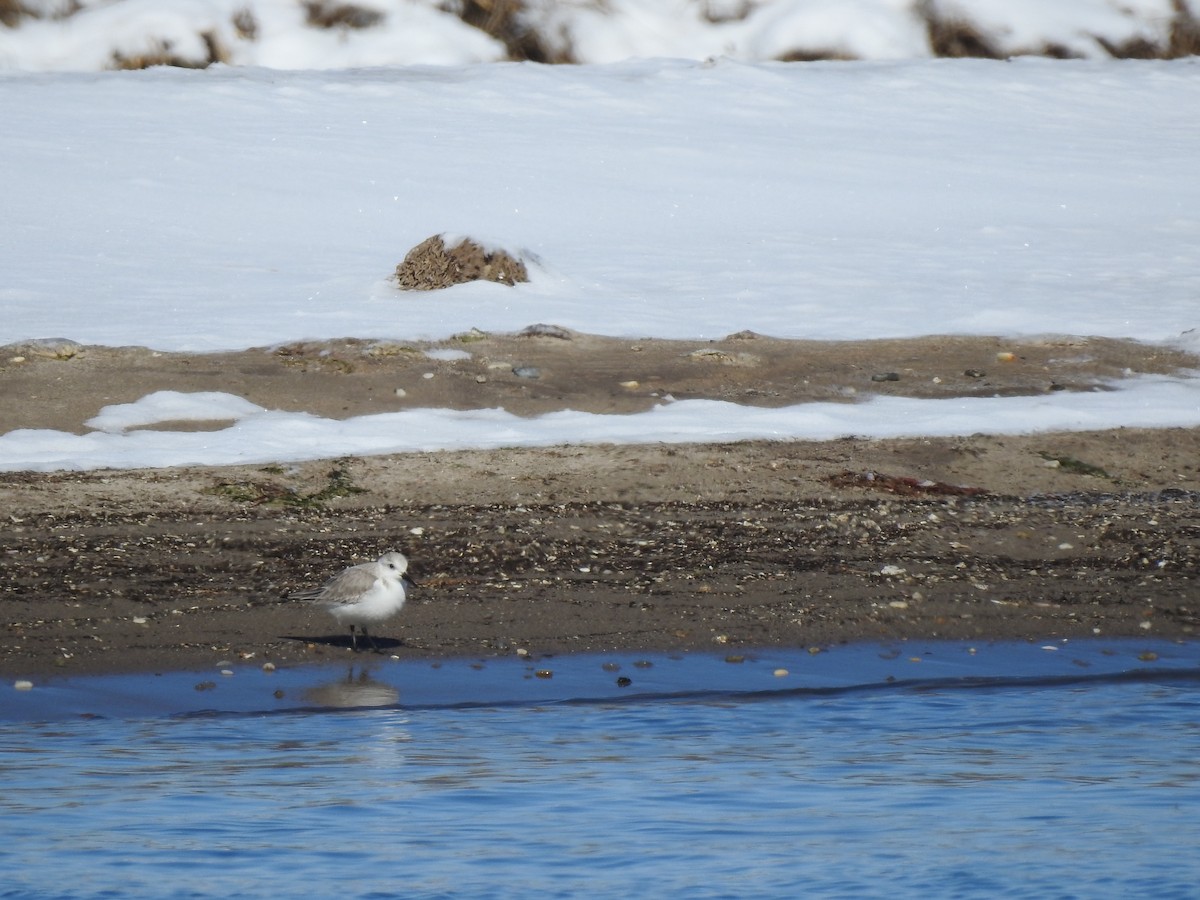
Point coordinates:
[(354, 691)]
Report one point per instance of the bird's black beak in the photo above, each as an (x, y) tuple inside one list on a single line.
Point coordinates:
[(409, 581)]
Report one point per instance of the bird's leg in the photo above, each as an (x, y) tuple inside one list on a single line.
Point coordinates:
[(374, 646), (354, 639)]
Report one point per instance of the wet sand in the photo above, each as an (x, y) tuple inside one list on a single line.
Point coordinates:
[(653, 548)]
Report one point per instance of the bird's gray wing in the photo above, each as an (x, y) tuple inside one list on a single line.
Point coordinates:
[(344, 587)]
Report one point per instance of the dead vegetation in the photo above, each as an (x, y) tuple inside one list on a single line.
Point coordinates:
[(954, 34), (509, 22), (903, 485), (432, 265), (13, 11), (162, 52), (324, 14), (273, 488), (528, 33), (245, 25), (1185, 32)]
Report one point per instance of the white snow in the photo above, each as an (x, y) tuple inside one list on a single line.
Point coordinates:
[(239, 207), (261, 435), (447, 354), (171, 406), (230, 208)]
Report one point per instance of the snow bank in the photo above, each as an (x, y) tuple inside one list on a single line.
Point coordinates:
[(260, 435), (324, 34)]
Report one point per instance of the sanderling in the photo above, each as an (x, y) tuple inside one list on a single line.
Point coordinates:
[(365, 594)]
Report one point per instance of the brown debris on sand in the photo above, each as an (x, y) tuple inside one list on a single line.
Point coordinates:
[(903, 485), (432, 265)]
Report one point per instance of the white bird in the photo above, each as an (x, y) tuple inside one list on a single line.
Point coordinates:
[(363, 595)]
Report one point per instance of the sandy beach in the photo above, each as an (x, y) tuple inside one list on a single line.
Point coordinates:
[(573, 548)]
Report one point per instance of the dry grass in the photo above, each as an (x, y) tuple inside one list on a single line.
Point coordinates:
[(509, 22), (245, 25), (808, 55), (162, 54), (954, 35), (326, 14), (13, 11), (432, 265), (1185, 32)]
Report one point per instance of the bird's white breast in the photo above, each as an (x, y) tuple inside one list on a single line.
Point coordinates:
[(382, 601)]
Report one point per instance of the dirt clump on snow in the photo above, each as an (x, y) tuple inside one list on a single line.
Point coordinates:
[(439, 262)]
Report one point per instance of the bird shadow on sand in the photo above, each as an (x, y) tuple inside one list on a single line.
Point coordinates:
[(382, 644)]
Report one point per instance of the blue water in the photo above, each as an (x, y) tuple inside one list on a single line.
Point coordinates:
[(940, 771)]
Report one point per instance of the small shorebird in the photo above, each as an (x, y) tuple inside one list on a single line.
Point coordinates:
[(363, 595)]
